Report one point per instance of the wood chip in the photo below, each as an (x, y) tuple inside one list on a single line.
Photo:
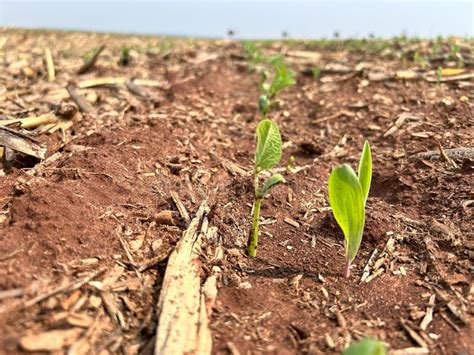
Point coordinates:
[(137, 90), (292, 222), (91, 62), (450, 78), (51, 340), (368, 265), (413, 334), (401, 119), (454, 153), (112, 308), (49, 64), (79, 320), (148, 264), (181, 208), (342, 113), (429, 313), (165, 217), (21, 143), (182, 314), (69, 287), (80, 101)]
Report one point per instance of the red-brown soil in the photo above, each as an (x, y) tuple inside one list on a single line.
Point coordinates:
[(110, 174)]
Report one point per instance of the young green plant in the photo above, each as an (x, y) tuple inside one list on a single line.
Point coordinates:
[(282, 79), (268, 151), (347, 196), (267, 155), (124, 59)]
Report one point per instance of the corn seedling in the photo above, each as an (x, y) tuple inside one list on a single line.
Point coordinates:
[(347, 196), (267, 155), (366, 346)]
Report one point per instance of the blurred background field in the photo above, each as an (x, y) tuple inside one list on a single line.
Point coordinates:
[(248, 19)]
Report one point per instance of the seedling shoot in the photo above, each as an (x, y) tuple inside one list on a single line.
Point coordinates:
[(348, 194), (268, 151)]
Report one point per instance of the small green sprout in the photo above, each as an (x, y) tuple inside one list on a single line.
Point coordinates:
[(439, 74), (124, 56), (252, 52), (420, 60), (267, 155), (348, 194), (282, 79), (366, 346), (456, 55), (89, 54), (268, 151), (316, 72)]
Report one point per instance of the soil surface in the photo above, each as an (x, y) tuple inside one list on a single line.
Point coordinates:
[(85, 233)]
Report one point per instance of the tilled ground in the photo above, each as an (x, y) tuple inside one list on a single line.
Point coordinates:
[(85, 233)]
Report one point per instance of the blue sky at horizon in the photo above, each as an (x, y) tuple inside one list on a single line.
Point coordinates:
[(249, 19)]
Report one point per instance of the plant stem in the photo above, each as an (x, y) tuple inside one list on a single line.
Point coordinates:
[(347, 269), (254, 238)]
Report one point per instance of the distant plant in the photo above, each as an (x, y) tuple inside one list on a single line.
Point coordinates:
[(439, 74), (252, 52), (282, 79), (268, 151), (348, 194), (89, 54), (267, 155), (366, 346), (316, 71), (456, 55), (420, 60), (124, 56)]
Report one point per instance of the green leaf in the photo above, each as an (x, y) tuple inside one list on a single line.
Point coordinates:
[(272, 181), (316, 72), (366, 346), (268, 152), (282, 79), (347, 203), (365, 170)]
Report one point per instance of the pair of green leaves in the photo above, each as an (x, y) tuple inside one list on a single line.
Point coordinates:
[(348, 193), (268, 153), (282, 79)]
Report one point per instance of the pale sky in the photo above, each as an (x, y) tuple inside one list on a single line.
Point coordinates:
[(249, 19)]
